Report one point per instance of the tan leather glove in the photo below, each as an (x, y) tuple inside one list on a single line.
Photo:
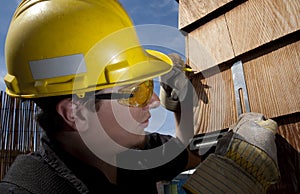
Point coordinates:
[(174, 85), (245, 160)]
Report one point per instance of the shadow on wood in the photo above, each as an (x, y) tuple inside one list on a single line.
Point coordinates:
[(288, 161)]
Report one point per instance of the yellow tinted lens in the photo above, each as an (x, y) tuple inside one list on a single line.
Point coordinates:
[(141, 94)]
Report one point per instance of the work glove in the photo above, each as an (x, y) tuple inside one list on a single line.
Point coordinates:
[(245, 160), (174, 84)]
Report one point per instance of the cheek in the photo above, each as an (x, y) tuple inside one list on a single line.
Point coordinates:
[(115, 116), (120, 124), (124, 117)]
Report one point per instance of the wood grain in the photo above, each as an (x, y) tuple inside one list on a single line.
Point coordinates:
[(255, 22), (273, 81), (272, 75), (209, 45), (193, 10), (245, 28), (216, 108)]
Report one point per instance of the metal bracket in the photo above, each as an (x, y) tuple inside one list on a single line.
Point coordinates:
[(206, 142), (240, 89)]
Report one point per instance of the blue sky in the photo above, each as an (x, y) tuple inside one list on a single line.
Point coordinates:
[(156, 21)]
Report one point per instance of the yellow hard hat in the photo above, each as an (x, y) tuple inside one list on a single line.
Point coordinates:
[(61, 47)]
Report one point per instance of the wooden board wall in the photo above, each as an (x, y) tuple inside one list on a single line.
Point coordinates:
[(209, 45), (234, 32), (190, 10), (216, 108), (257, 22), (273, 88), (270, 57), (265, 36), (273, 81)]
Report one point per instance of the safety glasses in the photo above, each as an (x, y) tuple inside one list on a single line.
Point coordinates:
[(135, 95)]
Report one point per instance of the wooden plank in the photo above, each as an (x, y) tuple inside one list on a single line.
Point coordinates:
[(216, 108), (255, 22), (209, 45), (191, 10), (273, 81), (245, 28)]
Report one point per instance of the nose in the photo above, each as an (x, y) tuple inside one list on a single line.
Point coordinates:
[(154, 102)]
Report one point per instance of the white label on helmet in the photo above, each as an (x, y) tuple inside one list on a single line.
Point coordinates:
[(56, 67)]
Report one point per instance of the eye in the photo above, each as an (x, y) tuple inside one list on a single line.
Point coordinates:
[(134, 91), (131, 95)]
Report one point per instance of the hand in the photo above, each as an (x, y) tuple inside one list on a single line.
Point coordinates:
[(174, 85), (251, 144), (245, 160)]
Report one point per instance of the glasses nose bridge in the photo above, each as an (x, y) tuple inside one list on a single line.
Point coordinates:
[(154, 101)]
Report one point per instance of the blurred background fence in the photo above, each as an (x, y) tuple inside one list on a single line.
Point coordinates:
[(19, 132)]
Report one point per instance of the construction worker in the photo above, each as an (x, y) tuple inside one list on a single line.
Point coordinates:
[(81, 63)]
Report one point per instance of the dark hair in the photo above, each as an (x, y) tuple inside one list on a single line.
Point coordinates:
[(48, 118)]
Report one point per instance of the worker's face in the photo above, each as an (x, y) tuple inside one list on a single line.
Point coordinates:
[(115, 127), (125, 125)]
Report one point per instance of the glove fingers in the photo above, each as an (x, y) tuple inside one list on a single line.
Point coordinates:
[(177, 61), (168, 102), (174, 85), (268, 124), (174, 95), (246, 117), (255, 125)]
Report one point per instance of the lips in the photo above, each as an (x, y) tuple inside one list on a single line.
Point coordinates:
[(145, 123)]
